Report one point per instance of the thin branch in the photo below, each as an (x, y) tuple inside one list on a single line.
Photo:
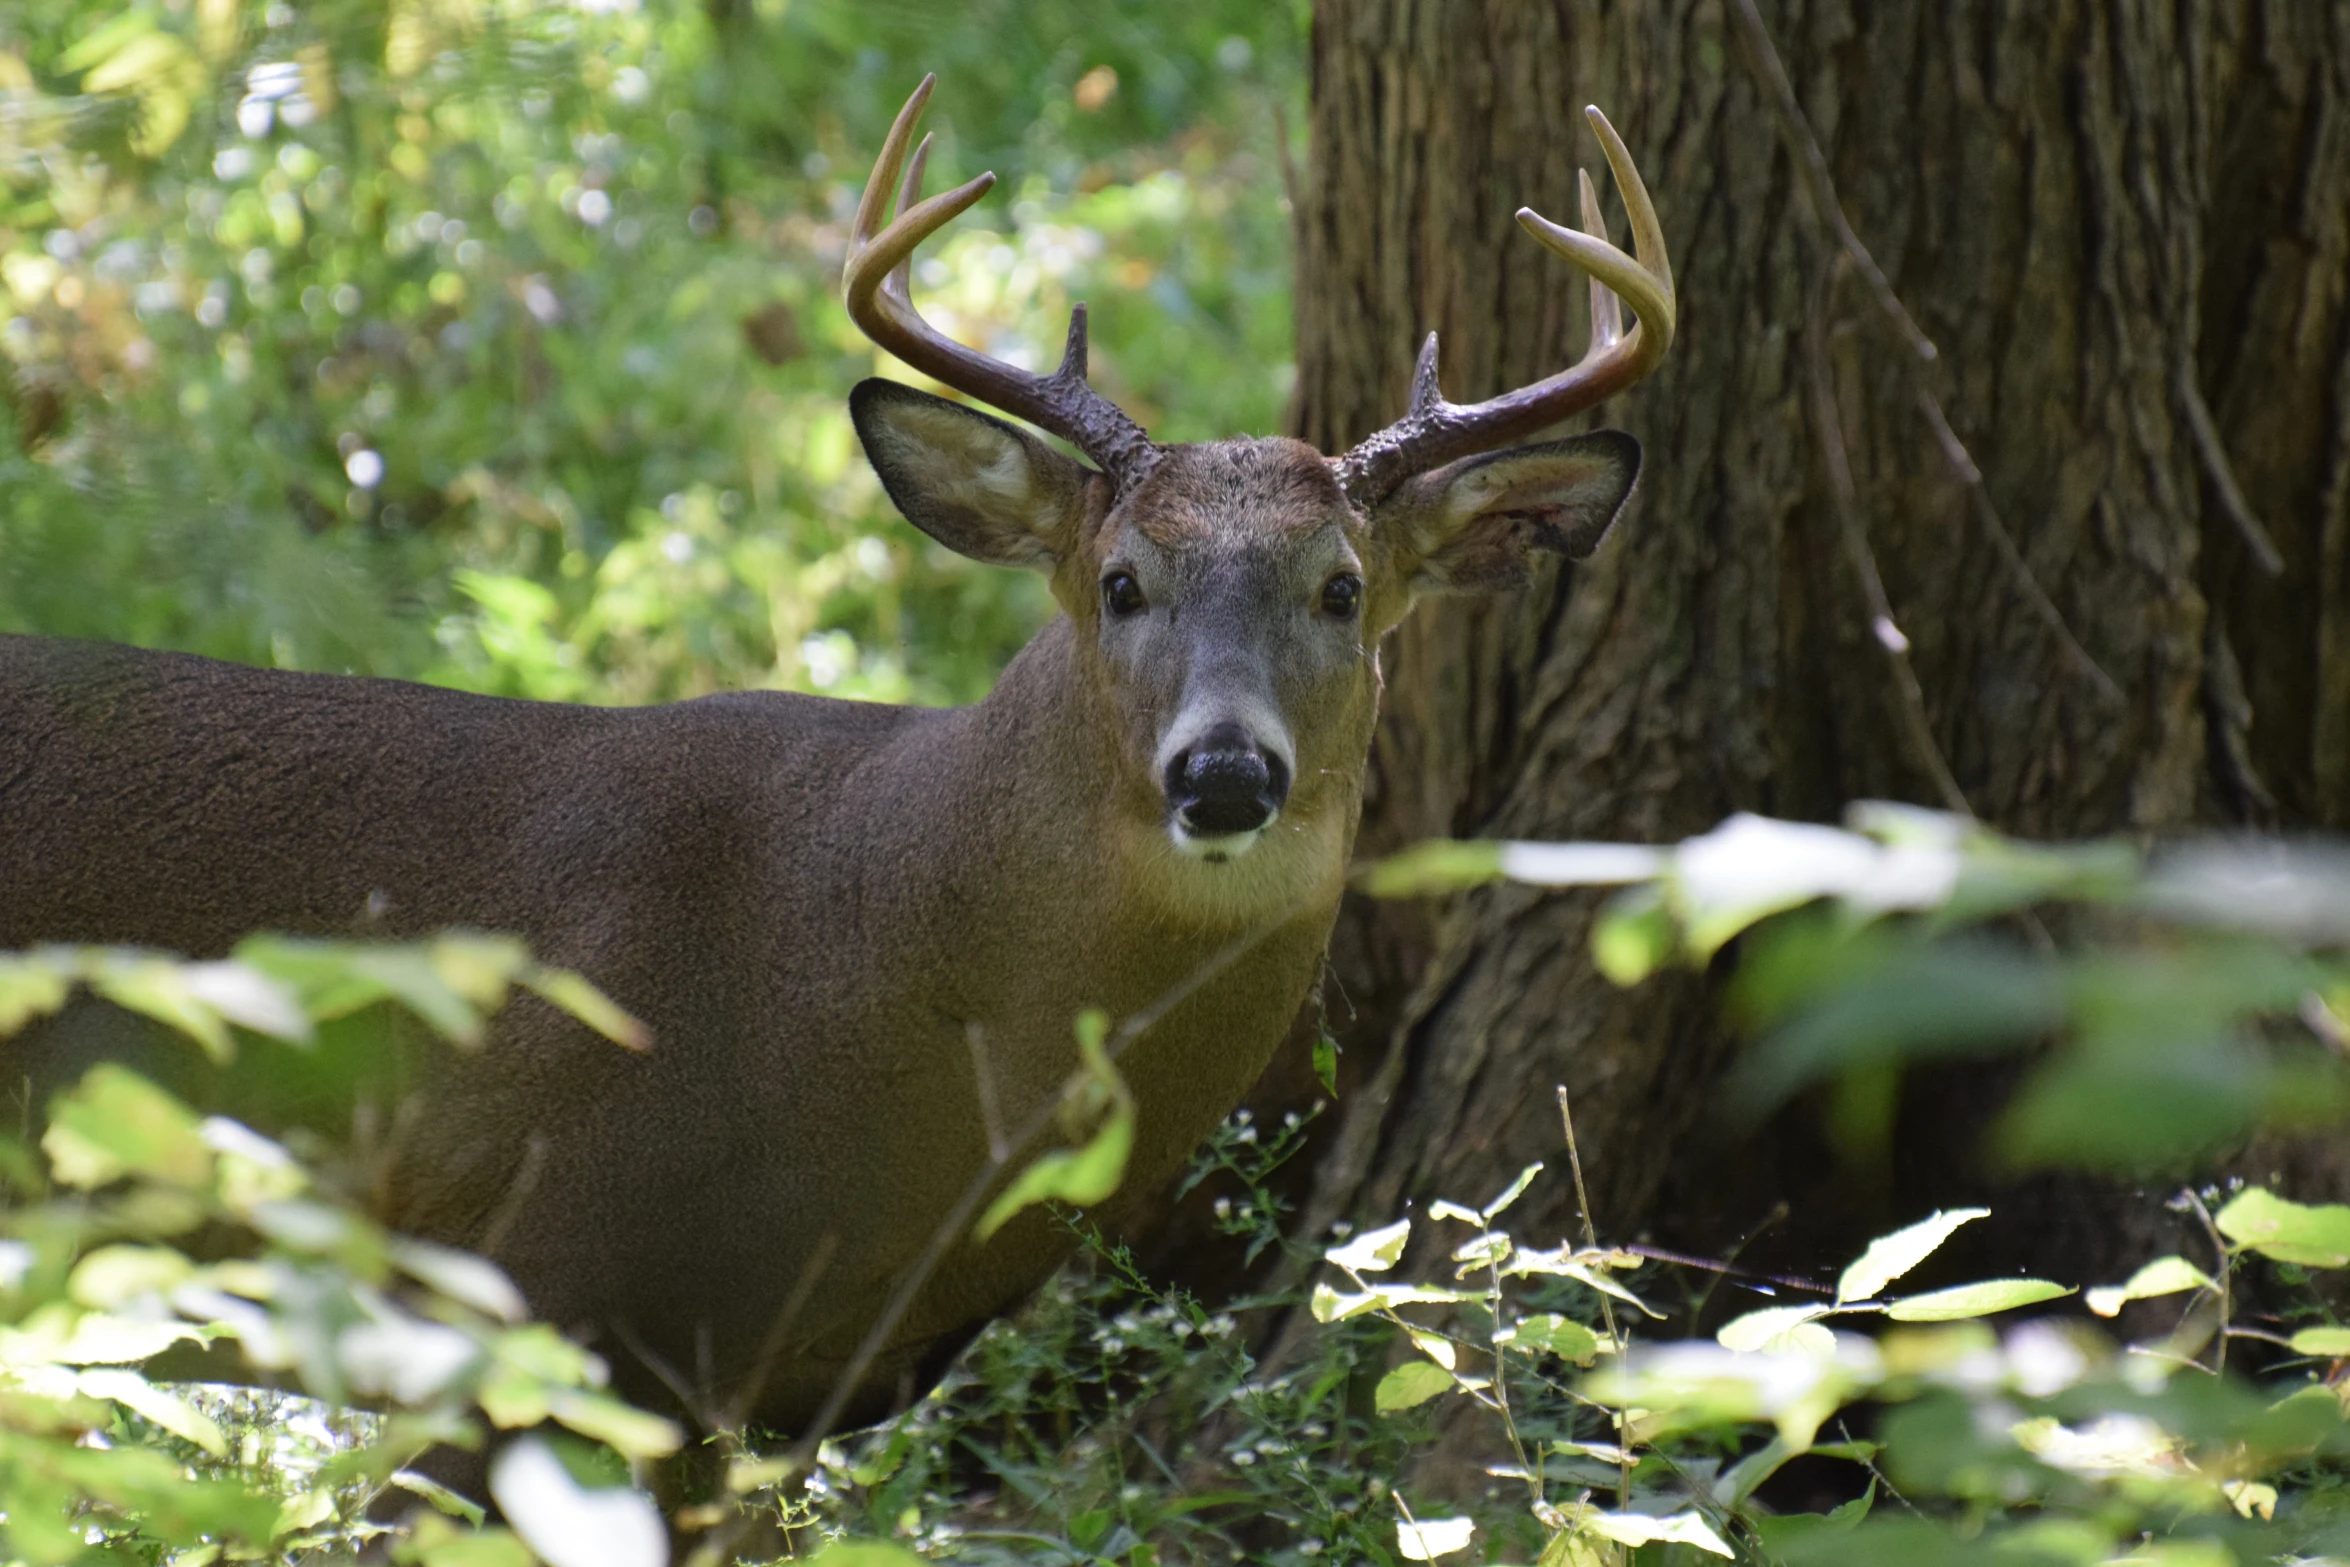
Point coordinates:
[(1607, 1312), (1820, 188), (2222, 475), (1812, 164), (1828, 427)]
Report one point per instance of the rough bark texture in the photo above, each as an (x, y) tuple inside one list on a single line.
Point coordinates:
[(2109, 217)]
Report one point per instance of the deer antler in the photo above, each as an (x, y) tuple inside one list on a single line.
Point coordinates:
[(882, 304), (1435, 432)]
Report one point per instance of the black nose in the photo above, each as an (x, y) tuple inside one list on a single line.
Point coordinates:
[(1226, 784)]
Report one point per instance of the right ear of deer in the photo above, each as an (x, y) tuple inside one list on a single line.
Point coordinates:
[(880, 300), (1434, 432)]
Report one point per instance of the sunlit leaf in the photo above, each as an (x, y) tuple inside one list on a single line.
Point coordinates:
[(32, 985), (1328, 1305), (1438, 865), (1373, 1251), (460, 1275), (867, 1553), (2162, 1276), (1974, 1300), (2312, 1236), (1645, 1529), (1425, 1539), (1411, 1384), (567, 1524), (1888, 1257), (625, 1429), (1550, 1333), (1513, 1192), (1778, 1330), (575, 995), (115, 1123), (173, 1413), (111, 1275), (2332, 1343)]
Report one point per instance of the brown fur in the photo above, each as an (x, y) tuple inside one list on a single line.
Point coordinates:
[(815, 905)]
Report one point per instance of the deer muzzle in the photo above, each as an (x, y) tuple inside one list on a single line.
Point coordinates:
[(1224, 787)]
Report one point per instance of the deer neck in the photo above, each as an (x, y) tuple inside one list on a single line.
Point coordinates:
[(1093, 822)]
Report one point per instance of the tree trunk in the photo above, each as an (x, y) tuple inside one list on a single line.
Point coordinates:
[(2126, 226)]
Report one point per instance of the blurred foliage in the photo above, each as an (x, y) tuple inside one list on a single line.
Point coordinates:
[(140, 1228), (2193, 996), (1452, 1388), (497, 342)]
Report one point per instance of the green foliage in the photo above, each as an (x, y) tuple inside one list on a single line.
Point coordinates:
[(146, 1230), (497, 342)]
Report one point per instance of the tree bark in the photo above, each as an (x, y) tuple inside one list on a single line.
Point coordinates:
[(2126, 226)]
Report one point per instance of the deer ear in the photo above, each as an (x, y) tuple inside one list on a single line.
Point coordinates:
[(1473, 526), (975, 484)]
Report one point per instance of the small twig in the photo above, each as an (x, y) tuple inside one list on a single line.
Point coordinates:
[(772, 1346), (1962, 464), (1876, 1474), (518, 1190), (989, 1116), (2221, 1262), (1812, 165), (1828, 426), (2221, 473), (1607, 1312)]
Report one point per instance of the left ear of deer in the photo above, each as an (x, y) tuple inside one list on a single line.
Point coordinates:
[(1472, 527)]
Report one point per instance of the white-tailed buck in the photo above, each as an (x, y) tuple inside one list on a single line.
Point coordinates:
[(859, 934)]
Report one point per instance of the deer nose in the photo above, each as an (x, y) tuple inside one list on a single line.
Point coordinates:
[(1226, 784)]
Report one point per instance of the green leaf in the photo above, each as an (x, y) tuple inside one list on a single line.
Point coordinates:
[(1411, 1384), (115, 1123), (573, 994), (1373, 1251), (1974, 1300), (1325, 1057), (1085, 1175), (143, 1398), (1633, 937), (2333, 1343), (2261, 1221), (1438, 865), (112, 1275), (627, 1430), (1778, 1330), (1890, 1256), (1645, 1529), (2162, 1276), (867, 1553), (1330, 1306), (158, 988), (1517, 1189), (32, 985), (1552, 1334)]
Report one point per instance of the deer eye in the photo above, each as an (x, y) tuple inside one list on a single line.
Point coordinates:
[(1342, 595), (1123, 594)]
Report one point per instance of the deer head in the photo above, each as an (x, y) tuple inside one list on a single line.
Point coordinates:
[(1226, 599)]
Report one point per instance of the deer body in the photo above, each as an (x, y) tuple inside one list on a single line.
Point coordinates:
[(806, 900), (860, 935)]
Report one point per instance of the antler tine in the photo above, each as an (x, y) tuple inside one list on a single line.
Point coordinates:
[(1607, 306), (900, 282), (1435, 432), (877, 285)]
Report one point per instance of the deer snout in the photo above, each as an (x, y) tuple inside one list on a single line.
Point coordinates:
[(1225, 784)]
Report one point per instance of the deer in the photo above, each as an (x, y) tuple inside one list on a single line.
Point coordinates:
[(857, 933)]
